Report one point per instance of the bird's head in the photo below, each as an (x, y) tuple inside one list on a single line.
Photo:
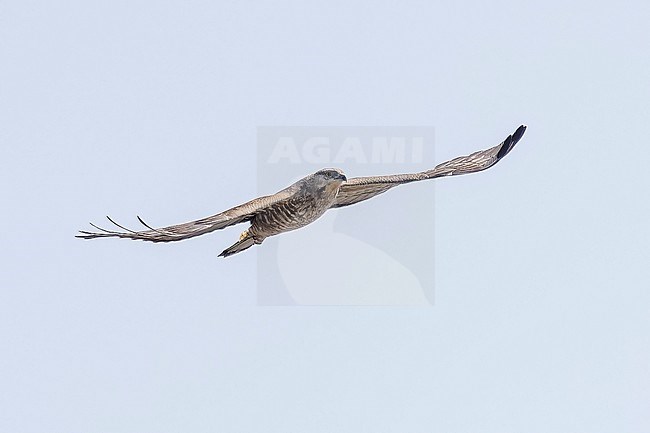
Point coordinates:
[(328, 180), (331, 175)]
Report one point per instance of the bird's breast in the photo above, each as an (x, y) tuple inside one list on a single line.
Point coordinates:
[(294, 213)]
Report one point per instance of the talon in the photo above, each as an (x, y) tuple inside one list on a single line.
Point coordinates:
[(243, 235)]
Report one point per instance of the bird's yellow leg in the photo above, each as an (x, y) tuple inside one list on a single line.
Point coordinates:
[(243, 235)]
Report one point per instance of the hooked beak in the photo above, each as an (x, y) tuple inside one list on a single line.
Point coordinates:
[(343, 178)]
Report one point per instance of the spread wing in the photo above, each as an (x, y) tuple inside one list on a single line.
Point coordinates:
[(362, 188), (238, 214)]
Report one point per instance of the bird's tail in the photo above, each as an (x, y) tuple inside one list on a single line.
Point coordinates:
[(244, 243)]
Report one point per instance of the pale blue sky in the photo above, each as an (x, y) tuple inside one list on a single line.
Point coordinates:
[(540, 322)]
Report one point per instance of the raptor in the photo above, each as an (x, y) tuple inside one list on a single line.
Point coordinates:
[(304, 202)]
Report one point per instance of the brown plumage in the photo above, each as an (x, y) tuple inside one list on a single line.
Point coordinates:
[(305, 201)]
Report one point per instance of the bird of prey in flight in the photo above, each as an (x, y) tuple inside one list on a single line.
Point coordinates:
[(304, 201)]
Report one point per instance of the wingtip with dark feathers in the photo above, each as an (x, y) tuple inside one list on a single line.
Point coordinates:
[(519, 133), (510, 142)]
